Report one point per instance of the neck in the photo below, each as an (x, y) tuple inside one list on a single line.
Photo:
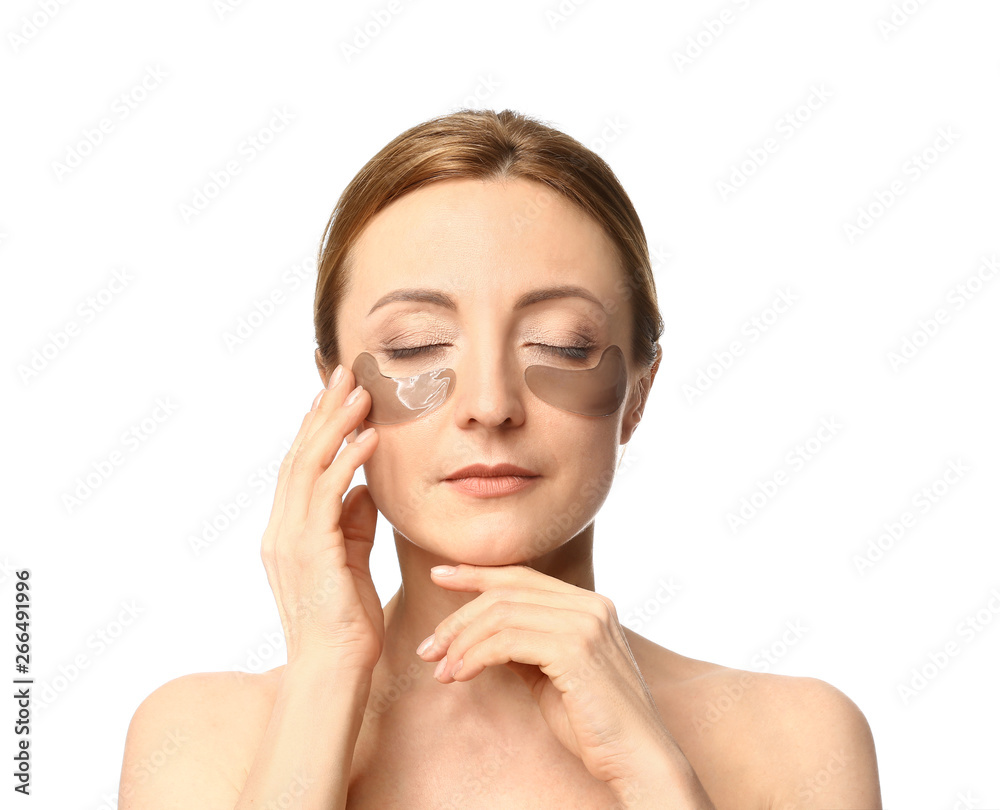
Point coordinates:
[(420, 605)]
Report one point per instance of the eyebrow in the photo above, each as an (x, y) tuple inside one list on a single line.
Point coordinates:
[(441, 298)]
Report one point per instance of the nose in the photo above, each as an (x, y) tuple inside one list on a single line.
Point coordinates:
[(490, 389)]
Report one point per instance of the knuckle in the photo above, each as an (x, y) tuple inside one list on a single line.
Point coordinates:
[(502, 609), (285, 557), (507, 638), (594, 626), (302, 462), (608, 609)]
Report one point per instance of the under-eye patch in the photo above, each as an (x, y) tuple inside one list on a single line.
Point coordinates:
[(597, 391)]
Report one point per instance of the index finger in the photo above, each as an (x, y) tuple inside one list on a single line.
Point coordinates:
[(278, 507)]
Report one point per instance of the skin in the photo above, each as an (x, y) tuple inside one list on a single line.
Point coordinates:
[(649, 721), (457, 236)]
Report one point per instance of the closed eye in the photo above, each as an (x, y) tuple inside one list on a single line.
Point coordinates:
[(569, 352)]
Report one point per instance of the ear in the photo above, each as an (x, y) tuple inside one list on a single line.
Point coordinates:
[(638, 401), (324, 372)]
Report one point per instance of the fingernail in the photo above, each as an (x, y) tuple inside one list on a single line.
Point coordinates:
[(425, 645), (454, 672), (364, 434), (440, 667), (353, 396), (443, 570), (338, 372), (319, 396)]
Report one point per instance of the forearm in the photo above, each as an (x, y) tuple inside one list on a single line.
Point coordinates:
[(664, 778), (304, 759)]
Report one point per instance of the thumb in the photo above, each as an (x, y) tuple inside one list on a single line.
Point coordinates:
[(531, 674), (357, 522)]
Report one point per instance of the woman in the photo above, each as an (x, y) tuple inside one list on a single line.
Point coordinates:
[(487, 334)]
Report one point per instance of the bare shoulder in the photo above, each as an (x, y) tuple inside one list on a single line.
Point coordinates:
[(808, 739), (194, 736)]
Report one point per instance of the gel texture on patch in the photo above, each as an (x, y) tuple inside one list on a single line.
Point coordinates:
[(597, 391)]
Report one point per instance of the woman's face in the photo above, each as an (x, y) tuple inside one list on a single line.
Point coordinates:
[(484, 246)]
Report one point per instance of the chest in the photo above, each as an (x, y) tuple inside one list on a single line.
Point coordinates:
[(434, 771)]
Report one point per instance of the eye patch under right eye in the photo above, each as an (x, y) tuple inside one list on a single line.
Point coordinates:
[(597, 391)]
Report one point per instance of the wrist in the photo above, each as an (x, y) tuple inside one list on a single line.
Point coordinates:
[(666, 776), (326, 669)]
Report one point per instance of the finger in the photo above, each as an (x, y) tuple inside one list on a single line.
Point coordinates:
[(326, 504), (331, 399), (278, 506), (334, 420), (480, 577), (541, 649), (451, 627), (505, 616), (360, 516)]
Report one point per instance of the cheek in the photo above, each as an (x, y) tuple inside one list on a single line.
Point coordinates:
[(407, 467), (583, 458), (587, 443), (594, 456)]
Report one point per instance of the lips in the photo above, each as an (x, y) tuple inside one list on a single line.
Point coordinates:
[(495, 471)]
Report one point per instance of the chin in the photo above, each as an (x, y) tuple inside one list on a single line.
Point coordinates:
[(478, 542)]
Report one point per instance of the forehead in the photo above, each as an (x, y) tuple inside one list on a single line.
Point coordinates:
[(481, 240)]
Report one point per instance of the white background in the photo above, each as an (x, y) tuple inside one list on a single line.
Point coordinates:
[(608, 74)]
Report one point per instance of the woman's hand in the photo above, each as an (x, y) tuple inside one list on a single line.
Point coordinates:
[(317, 544), (567, 645)]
